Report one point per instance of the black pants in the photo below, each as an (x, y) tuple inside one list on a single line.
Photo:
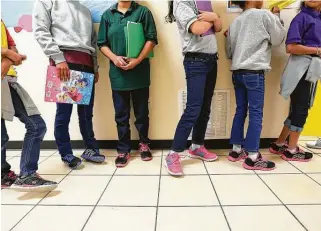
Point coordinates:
[(121, 100), (300, 104)]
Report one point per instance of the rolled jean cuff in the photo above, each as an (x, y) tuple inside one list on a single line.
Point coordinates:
[(27, 173), (177, 150), (292, 128)]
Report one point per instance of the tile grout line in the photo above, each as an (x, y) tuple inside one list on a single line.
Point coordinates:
[(281, 202), (39, 201), (306, 173), (98, 200), (159, 186), (218, 199), (164, 206)]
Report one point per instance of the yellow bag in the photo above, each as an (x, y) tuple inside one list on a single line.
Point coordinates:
[(281, 4)]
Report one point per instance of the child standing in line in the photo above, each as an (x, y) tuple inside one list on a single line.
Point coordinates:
[(66, 34), (249, 41), (130, 78), (200, 63), (304, 44), (16, 102)]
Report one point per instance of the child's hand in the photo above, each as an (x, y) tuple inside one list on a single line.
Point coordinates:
[(119, 61), (207, 16), (63, 71), (96, 77), (275, 10), (132, 63), (15, 57), (225, 33)]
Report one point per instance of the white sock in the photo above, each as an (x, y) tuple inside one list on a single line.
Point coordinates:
[(237, 148), (172, 152), (280, 144), (195, 146), (293, 151), (253, 155)]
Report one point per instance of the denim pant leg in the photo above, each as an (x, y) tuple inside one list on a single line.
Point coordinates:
[(85, 115), (237, 133), (5, 166), (62, 120), (122, 115), (255, 85), (199, 129), (140, 99), (196, 75), (35, 132)]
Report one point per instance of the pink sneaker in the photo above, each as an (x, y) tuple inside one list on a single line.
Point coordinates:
[(173, 164), (203, 154)]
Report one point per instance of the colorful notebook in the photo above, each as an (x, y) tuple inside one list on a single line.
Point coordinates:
[(135, 40), (77, 90), (281, 4), (205, 5)]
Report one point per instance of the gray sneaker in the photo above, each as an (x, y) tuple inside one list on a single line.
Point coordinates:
[(314, 144), (34, 183)]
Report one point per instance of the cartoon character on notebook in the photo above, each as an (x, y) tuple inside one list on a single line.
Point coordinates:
[(62, 97), (73, 93), (82, 83)]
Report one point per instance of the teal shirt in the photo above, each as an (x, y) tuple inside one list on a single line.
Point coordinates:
[(111, 34)]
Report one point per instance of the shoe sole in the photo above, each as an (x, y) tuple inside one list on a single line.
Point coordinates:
[(123, 165), (235, 159), (201, 158), (147, 159), (257, 168), (97, 160), (73, 168), (42, 188), (275, 152), (172, 173), (292, 159)]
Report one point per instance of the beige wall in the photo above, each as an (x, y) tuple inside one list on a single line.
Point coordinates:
[(167, 79)]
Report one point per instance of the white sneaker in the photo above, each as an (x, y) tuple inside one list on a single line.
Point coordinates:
[(314, 144)]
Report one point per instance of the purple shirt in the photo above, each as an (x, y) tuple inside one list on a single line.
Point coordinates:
[(305, 28)]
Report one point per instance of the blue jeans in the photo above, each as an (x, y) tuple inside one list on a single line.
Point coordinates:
[(121, 100), (85, 115), (36, 130), (201, 73), (249, 92)]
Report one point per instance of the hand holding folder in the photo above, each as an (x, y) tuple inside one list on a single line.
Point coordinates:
[(135, 40)]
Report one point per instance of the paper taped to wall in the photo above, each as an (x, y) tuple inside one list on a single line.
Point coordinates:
[(218, 126)]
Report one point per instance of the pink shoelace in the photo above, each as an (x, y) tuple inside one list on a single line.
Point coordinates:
[(144, 148)]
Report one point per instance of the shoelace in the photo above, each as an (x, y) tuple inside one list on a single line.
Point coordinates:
[(122, 155), (90, 152), (176, 158), (144, 147), (69, 157)]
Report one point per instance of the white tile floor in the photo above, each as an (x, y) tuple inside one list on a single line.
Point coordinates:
[(219, 196)]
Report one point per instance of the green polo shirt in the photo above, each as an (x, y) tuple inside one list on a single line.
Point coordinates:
[(111, 34)]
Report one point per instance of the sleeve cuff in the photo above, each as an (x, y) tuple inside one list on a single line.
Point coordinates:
[(190, 23), (58, 58), (291, 41)]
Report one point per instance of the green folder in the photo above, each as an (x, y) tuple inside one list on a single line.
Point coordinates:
[(135, 40)]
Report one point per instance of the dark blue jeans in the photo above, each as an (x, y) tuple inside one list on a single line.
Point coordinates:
[(201, 73), (249, 93), (85, 115), (121, 100), (36, 130)]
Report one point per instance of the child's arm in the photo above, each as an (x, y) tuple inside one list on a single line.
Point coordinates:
[(275, 28), (94, 44), (186, 16), (212, 18), (298, 49), (103, 44), (228, 45)]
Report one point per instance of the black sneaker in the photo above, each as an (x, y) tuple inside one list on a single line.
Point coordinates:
[(7, 179), (259, 164), (275, 149), (122, 160), (33, 182), (236, 156), (93, 155), (145, 153), (72, 161), (300, 155)]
